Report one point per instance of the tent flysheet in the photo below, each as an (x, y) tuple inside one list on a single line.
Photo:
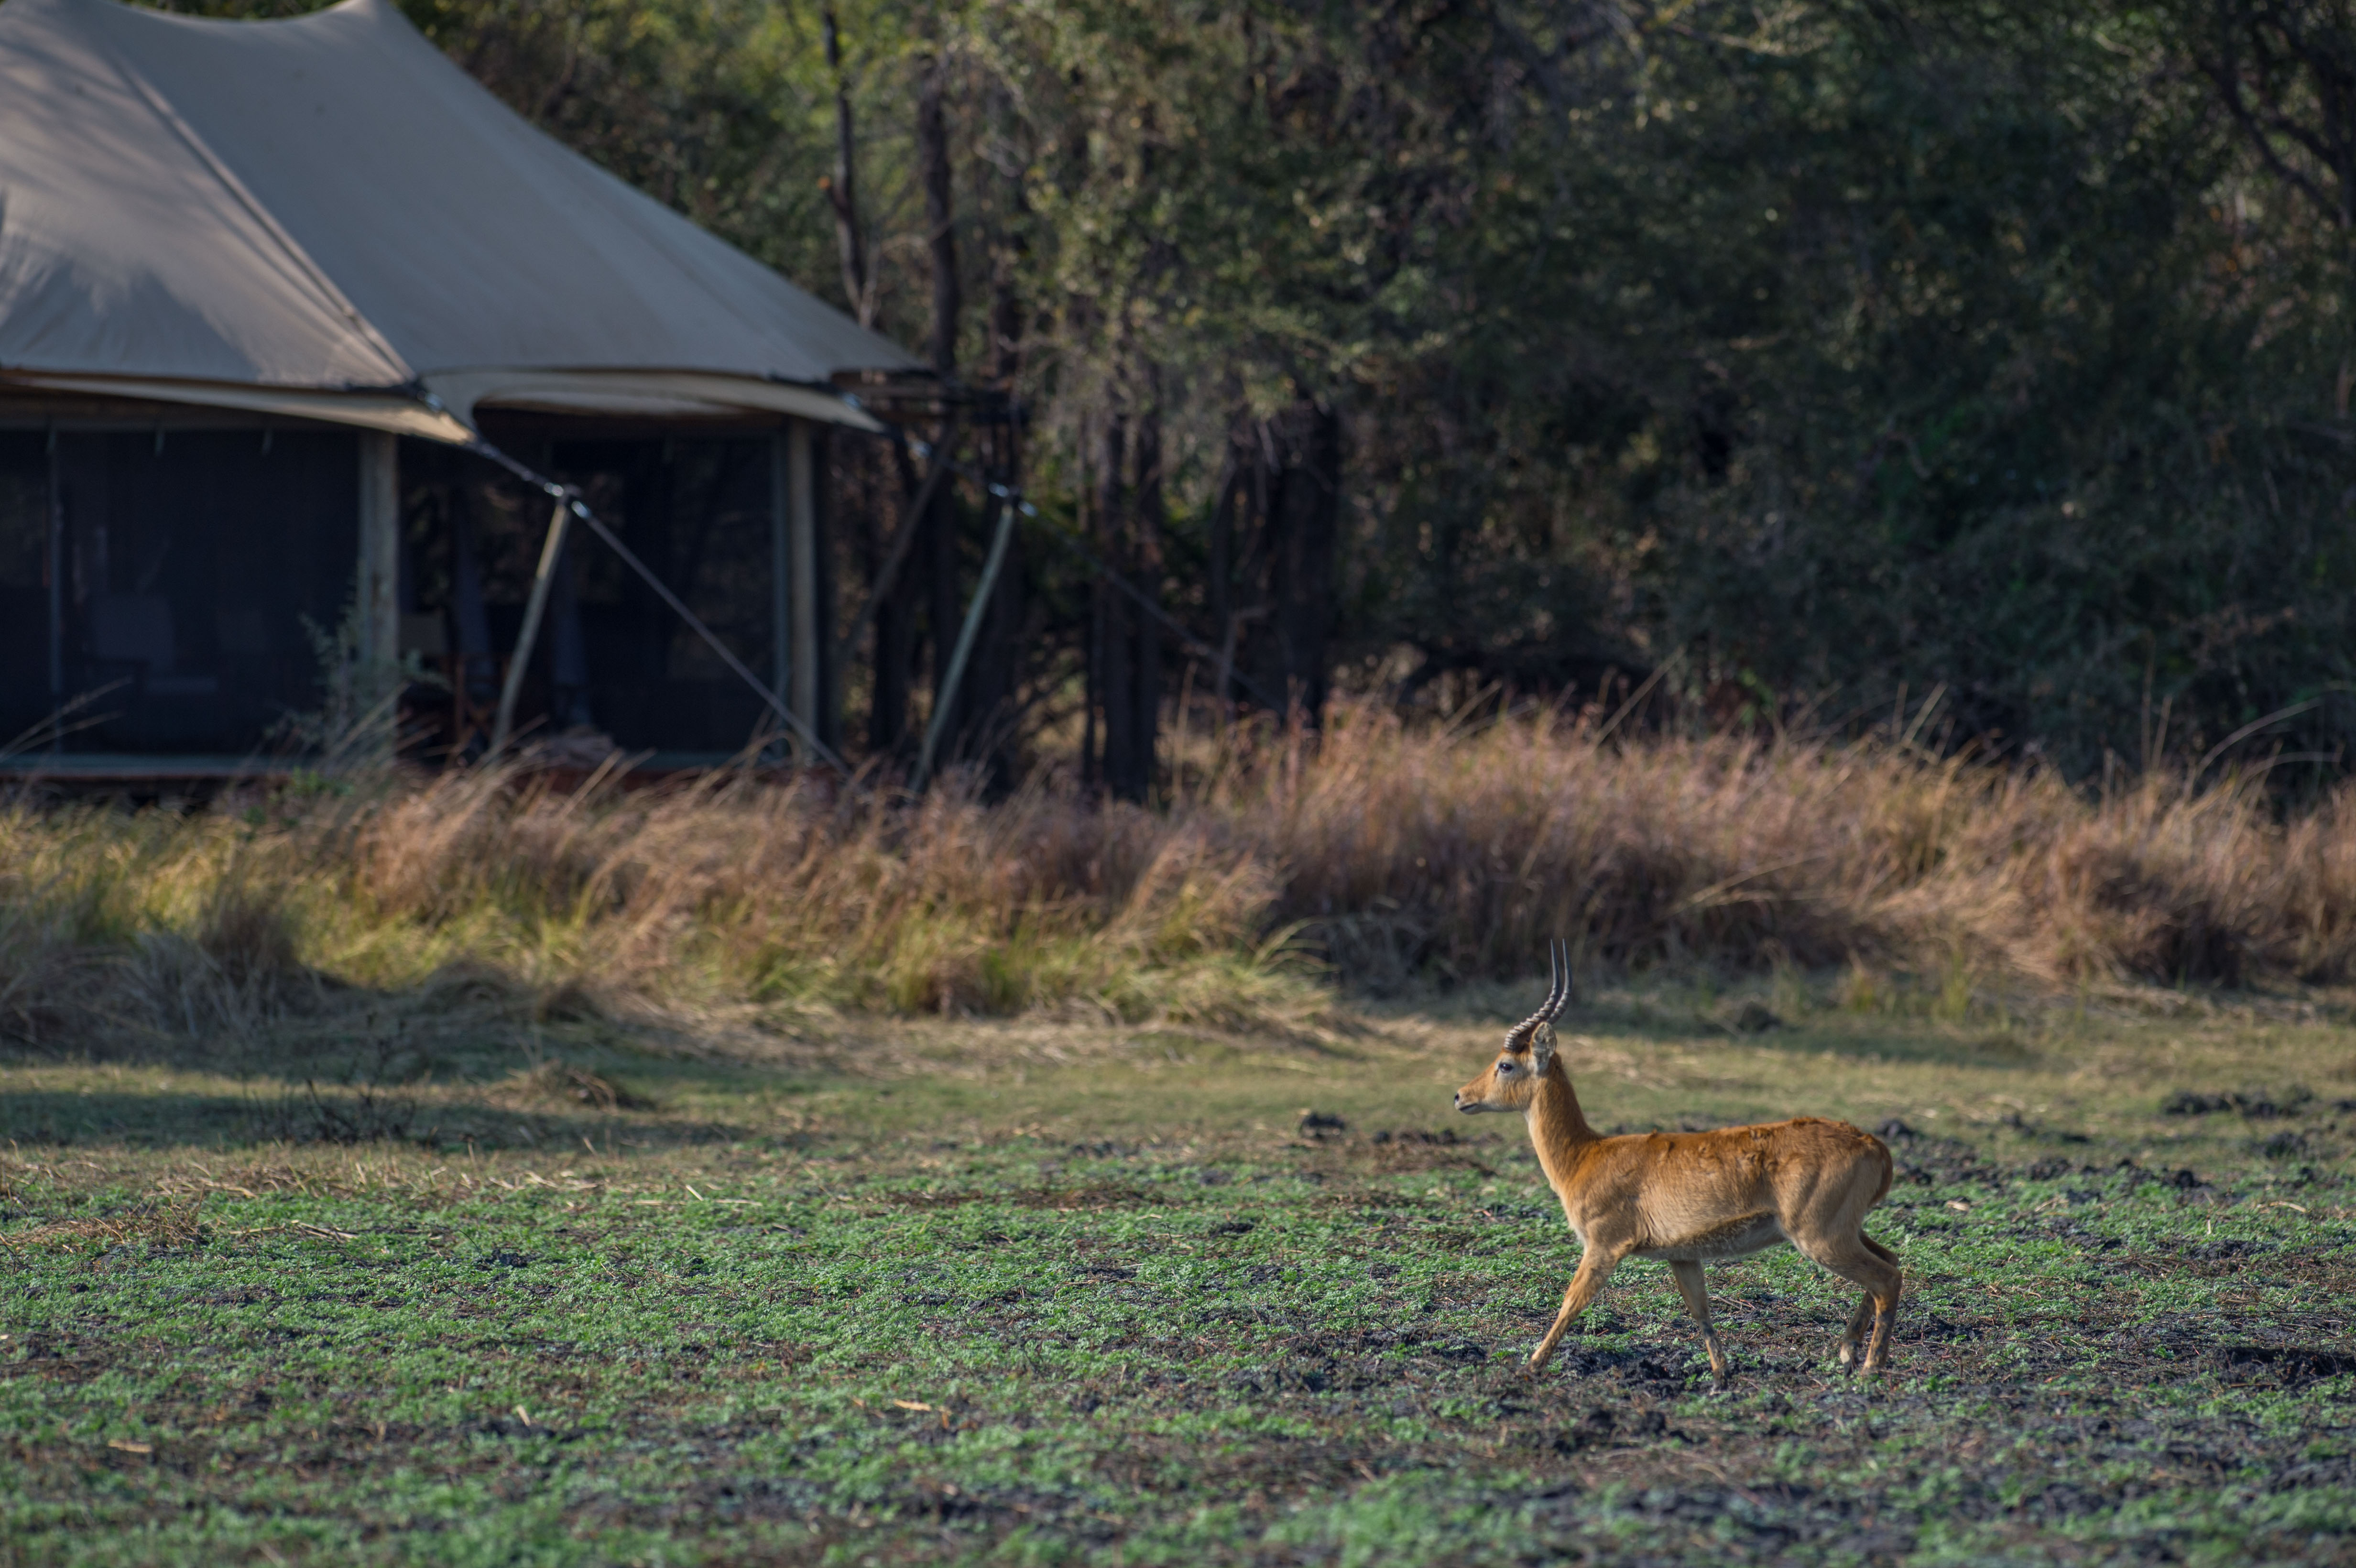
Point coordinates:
[(325, 216)]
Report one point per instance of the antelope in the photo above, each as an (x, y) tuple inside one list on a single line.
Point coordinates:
[(1685, 1198)]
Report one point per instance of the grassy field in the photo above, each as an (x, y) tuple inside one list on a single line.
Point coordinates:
[(1046, 1292)]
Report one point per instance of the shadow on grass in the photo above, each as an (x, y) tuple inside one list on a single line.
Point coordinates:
[(1881, 1039), (1855, 1035), (1907, 1029), (298, 1114), (466, 1020)]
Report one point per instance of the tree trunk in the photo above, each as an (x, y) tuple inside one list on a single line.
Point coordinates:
[(1304, 534), (1006, 254), (842, 190), (933, 168), (824, 500), (997, 694), (1145, 571), (987, 730), (1092, 696), (1129, 507), (895, 629), (1219, 592), (944, 606), (1113, 613), (946, 609)]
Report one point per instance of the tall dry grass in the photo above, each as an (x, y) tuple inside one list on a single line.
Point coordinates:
[(1465, 852), (1389, 853)]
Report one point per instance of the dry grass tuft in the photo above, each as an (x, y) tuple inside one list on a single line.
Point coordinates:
[(163, 1224), (554, 1081), (1396, 854)]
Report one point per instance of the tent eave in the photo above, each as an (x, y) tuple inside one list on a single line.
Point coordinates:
[(685, 394), (392, 409), (442, 408)]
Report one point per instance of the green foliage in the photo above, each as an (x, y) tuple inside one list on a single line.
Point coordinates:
[(1838, 351), (353, 725)]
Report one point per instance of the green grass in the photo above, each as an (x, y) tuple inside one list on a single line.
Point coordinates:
[(1035, 1293)]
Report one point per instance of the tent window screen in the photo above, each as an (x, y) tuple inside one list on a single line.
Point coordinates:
[(25, 695), (195, 566), (611, 657)]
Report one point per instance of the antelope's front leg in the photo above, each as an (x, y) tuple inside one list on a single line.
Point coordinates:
[(1594, 1267), (1695, 1289)]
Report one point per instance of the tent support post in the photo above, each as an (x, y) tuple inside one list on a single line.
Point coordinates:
[(793, 583), (811, 737), (57, 564), (801, 513), (551, 551), (945, 701), (781, 566), (378, 586)]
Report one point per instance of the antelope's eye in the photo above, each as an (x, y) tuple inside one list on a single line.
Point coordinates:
[(1504, 1066)]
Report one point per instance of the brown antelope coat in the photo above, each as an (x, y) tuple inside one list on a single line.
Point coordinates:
[(1686, 1198)]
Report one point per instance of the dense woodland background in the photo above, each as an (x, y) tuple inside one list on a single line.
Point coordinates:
[(1983, 367)]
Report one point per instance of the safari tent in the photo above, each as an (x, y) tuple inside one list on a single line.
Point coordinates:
[(266, 290)]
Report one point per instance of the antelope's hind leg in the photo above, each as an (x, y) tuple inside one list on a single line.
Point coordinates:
[(1885, 1307), (1694, 1286), (1874, 1267), (1852, 1337)]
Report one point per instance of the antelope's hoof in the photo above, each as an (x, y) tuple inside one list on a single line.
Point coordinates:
[(1847, 1353)]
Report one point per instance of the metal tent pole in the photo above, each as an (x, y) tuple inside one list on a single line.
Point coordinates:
[(793, 721), (801, 515), (56, 597), (379, 588), (551, 550), (781, 566), (567, 502), (792, 582), (946, 699)]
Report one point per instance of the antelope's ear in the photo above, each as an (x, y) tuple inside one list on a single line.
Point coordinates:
[(1541, 1046)]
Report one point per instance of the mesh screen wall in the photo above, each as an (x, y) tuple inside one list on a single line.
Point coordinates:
[(24, 696), (197, 577), (191, 569), (611, 657)]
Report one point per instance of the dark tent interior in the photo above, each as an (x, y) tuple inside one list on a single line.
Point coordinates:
[(185, 586), (172, 579), (612, 657)]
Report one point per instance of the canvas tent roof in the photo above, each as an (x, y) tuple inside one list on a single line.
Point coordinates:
[(324, 215)]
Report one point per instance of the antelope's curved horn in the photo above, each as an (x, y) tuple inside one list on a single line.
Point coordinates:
[(1559, 972), (1562, 992)]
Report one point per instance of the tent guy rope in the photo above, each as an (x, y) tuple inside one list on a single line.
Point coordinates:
[(1121, 584), (569, 502)]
